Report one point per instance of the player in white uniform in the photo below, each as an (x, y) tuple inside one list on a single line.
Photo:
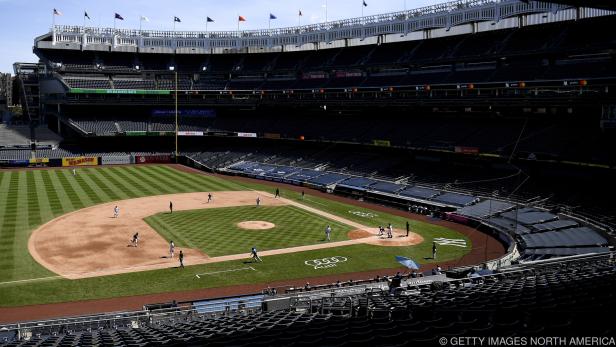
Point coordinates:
[(74, 172), (390, 231), (328, 231), (171, 249), (135, 239), (116, 212), (258, 201)]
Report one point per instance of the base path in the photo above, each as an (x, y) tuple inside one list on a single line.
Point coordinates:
[(90, 242)]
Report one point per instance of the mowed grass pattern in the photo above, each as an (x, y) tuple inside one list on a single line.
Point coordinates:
[(31, 198), (214, 231)]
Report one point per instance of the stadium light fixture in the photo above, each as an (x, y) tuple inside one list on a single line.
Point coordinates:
[(171, 68), (136, 67)]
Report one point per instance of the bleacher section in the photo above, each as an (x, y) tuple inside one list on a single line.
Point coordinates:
[(558, 298), (468, 58)]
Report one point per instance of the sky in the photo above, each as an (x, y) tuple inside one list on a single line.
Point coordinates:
[(23, 20)]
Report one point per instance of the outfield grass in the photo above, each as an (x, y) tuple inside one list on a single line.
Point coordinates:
[(214, 230), (30, 198)]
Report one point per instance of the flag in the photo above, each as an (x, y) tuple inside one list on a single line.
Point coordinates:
[(364, 3), (300, 13), (209, 20), (176, 19), (145, 19), (241, 19), (85, 14), (272, 16), (117, 16), (56, 12)]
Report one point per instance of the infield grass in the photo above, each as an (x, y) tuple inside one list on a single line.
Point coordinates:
[(30, 198), (214, 231)]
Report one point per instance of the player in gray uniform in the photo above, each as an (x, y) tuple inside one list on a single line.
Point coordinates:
[(328, 231)]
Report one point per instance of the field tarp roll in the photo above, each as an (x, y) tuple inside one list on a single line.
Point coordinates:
[(144, 159), (79, 161), (118, 159)]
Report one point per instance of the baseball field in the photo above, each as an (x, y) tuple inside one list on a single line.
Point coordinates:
[(59, 240)]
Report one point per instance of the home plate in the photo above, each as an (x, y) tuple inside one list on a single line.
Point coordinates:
[(232, 270)]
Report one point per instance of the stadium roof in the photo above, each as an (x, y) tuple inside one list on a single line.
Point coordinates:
[(604, 4)]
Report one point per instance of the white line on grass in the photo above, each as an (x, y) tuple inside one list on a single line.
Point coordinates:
[(217, 272), (31, 280)]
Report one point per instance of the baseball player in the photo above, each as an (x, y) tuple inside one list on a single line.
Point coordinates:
[(408, 228), (181, 257), (135, 239), (254, 255), (258, 201), (116, 212), (390, 230), (433, 250), (303, 195), (74, 172), (381, 230), (170, 207), (277, 193), (171, 249), (209, 197), (328, 231)]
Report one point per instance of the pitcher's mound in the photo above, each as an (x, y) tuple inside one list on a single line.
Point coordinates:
[(255, 225), (399, 238)]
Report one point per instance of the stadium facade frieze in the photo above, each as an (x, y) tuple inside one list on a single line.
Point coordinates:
[(446, 19)]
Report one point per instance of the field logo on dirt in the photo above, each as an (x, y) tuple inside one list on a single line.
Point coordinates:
[(325, 263), (450, 242), (364, 214)]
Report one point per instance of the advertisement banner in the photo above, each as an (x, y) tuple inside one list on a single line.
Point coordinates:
[(381, 143), (136, 133), (114, 160), (466, 150), (39, 160), (79, 161), (190, 133), (271, 135), (145, 159), (15, 162), (118, 91), (246, 134)]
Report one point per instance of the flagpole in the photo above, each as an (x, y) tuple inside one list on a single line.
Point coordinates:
[(362, 9), (140, 21), (53, 21), (173, 23), (326, 11), (114, 22), (84, 18), (176, 114)]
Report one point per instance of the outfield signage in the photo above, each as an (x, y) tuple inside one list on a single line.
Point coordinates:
[(118, 91), (466, 150), (136, 133), (144, 159), (115, 160), (39, 160), (190, 133), (381, 143), (79, 161), (246, 134), (325, 263)]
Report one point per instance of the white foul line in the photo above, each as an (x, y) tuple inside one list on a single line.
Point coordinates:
[(31, 280), (217, 272)]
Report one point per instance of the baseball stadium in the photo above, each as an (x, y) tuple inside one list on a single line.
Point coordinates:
[(438, 175)]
